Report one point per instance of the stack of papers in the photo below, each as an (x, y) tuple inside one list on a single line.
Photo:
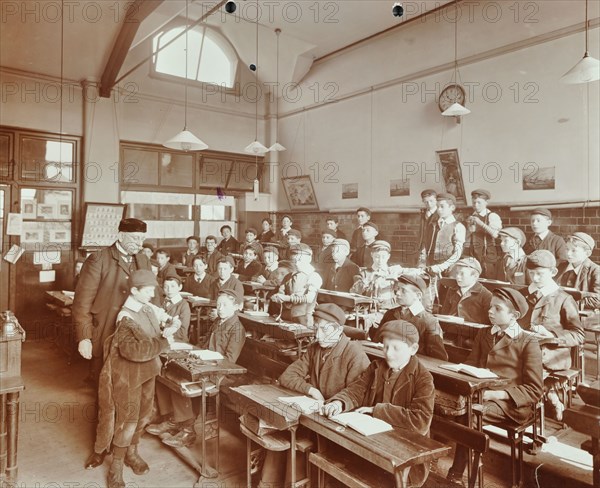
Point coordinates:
[(362, 423), (305, 404), (206, 355), (482, 373), (180, 346)]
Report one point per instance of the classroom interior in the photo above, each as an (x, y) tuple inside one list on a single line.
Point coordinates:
[(351, 95)]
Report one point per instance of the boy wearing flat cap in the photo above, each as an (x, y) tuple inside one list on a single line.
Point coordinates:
[(445, 242), (252, 241), (339, 275), (484, 226), (410, 291), (362, 256), (543, 238), (397, 389), (580, 272), (298, 292), (552, 314), (512, 353), (126, 387), (514, 262), (468, 299)]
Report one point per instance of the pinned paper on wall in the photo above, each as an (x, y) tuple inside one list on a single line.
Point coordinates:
[(14, 224), (47, 256), (13, 254), (47, 276), (46, 266)]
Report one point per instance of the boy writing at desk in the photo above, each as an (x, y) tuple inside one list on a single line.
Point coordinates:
[(397, 389), (512, 353)]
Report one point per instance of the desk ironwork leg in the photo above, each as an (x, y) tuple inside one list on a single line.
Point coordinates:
[(12, 421), (293, 454), (596, 461), (248, 462), (207, 471), (401, 476), (218, 426), (597, 334), (3, 434)]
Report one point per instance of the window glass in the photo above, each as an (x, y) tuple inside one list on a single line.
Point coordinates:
[(47, 160)]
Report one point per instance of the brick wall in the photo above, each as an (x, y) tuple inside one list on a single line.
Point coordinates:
[(402, 229)]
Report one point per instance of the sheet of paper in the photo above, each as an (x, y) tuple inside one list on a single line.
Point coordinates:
[(47, 276), (14, 224), (14, 254), (362, 423), (303, 403), (207, 355)]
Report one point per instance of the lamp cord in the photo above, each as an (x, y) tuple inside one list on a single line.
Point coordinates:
[(256, 77), (62, 50), (186, 66), (586, 26)]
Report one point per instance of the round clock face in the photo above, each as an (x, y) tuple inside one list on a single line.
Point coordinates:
[(451, 94)]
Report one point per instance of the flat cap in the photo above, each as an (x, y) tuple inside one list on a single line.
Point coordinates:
[(481, 193), (132, 225), (447, 196), (582, 237), (515, 297), (143, 277), (173, 277), (236, 295), (413, 280), (364, 209), (541, 259), (147, 245), (515, 233), (272, 249), (542, 211), (330, 312), (251, 230), (371, 224), (227, 259), (330, 232), (286, 264), (381, 246), (428, 192), (341, 242), (400, 329), (300, 249), (295, 233), (194, 238), (469, 262)]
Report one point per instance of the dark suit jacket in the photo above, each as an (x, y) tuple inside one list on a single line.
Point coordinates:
[(182, 310), (227, 337), (341, 279), (211, 262), (232, 283), (344, 364), (230, 245), (201, 289), (102, 289), (247, 272), (188, 259), (473, 308), (588, 280), (553, 243), (519, 360)]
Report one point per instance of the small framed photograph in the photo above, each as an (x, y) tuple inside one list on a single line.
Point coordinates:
[(32, 236), (46, 211), (452, 174), (539, 178), (300, 193), (62, 235), (349, 191), (64, 210), (28, 209), (399, 188)]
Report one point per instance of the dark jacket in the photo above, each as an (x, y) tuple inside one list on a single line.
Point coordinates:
[(228, 246), (201, 289), (247, 272), (344, 364), (180, 309), (552, 242), (102, 289), (588, 279), (342, 278), (266, 237), (212, 261), (188, 259), (473, 308), (520, 361), (232, 283), (411, 406), (227, 337)]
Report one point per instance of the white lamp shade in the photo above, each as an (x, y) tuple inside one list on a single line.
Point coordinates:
[(277, 147), (585, 71), (456, 109), (185, 141), (256, 148)]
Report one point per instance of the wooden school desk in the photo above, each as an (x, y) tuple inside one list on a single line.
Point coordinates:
[(395, 451), (210, 375), (260, 291), (358, 303), (591, 323)]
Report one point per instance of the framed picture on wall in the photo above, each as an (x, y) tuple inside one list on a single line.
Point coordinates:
[(300, 193), (452, 174), (29, 208)]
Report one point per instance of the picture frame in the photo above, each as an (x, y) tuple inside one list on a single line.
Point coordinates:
[(539, 179), (349, 191), (101, 224), (46, 210), (300, 193), (64, 210), (399, 188), (60, 236), (452, 174), (29, 208)]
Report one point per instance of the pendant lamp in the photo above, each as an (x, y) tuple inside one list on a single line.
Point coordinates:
[(456, 109), (277, 147), (588, 68), (185, 140)]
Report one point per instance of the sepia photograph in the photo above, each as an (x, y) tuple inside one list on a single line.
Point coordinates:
[(452, 174), (300, 193), (349, 191), (399, 188), (539, 179)]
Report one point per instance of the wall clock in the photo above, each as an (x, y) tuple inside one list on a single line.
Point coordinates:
[(451, 94)]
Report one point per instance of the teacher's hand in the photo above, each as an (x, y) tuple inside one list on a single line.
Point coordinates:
[(85, 348)]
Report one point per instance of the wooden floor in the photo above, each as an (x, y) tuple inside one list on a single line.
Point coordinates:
[(57, 432)]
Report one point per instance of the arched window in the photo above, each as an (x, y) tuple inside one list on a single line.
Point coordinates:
[(211, 58)]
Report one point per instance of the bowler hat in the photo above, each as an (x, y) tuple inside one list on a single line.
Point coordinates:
[(330, 312), (132, 225), (400, 329)]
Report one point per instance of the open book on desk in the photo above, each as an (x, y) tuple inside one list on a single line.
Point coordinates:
[(362, 423), (206, 355), (305, 404), (481, 373)]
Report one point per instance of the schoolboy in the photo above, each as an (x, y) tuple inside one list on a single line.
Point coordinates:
[(323, 254), (227, 336), (362, 256), (212, 255), (445, 241), (363, 215), (397, 389), (512, 353), (200, 282), (513, 268), (228, 244), (552, 313), (249, 265), (580, 272), (267, 235), (484, 226), (293, 238), (298, 292), (429, 216), (332, 223), (148, 249), (225, 280), (252, 241), (126, 387), (176, 306), (193, 249), (543, 237), (378, 279), (165, 268), (468, 298), (268, 274), (410, 291), (339, 275), (286, 226)]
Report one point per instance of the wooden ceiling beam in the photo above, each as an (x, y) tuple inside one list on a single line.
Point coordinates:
[(137, 11)]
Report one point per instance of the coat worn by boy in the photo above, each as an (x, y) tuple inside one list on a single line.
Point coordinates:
[(407, 404), (587, 278), (227, 337), (473, 307), (346, 361)]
